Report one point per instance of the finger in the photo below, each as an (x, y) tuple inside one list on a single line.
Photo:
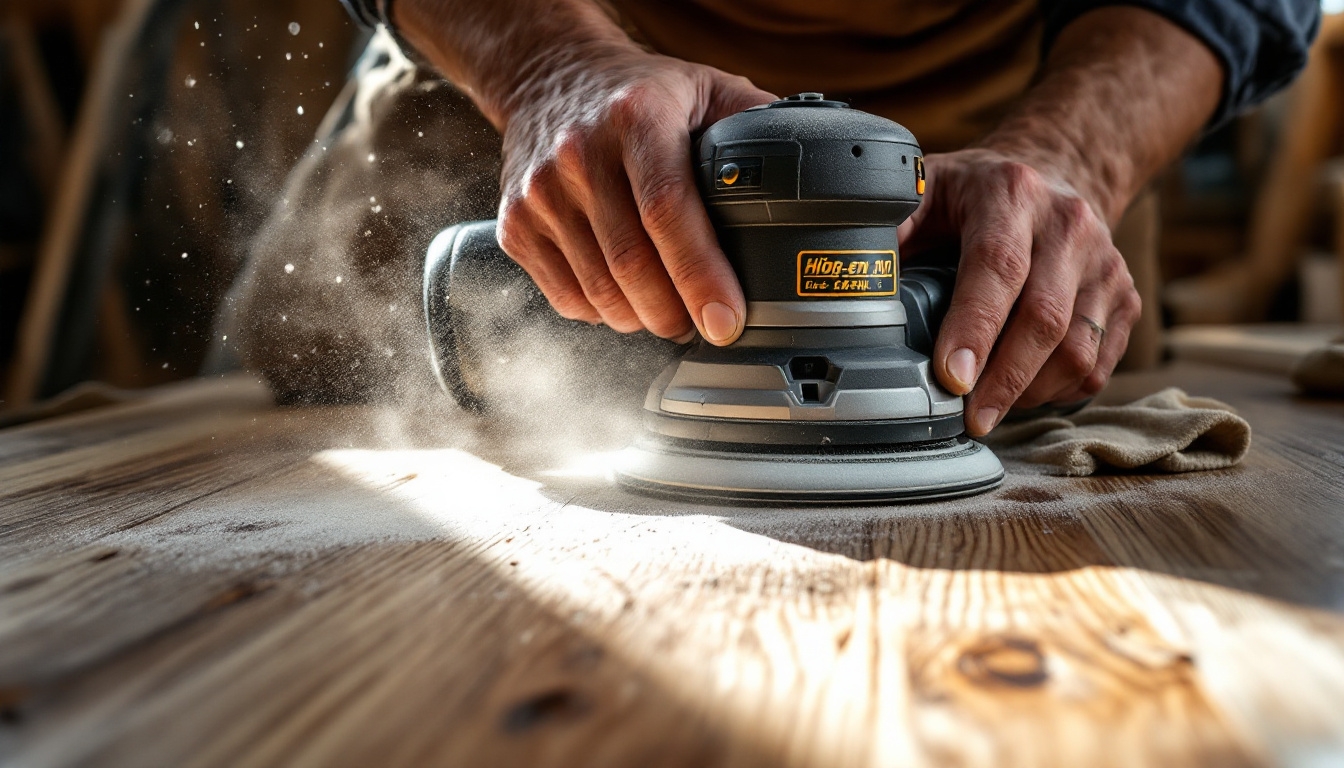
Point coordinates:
[(995, 262), (559, 285), (527, 241), (1113, 346), (585, 257), (659, 167), (1039, 323), (732, 94), (633, 263), (552, 203), (1074, 358)]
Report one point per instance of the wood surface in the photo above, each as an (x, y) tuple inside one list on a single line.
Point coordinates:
[(203, 579)]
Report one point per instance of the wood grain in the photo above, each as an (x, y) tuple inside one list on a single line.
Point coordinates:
[(203, 579)]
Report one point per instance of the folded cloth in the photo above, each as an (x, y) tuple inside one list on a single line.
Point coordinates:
[(1321, 371), (1168, 431)]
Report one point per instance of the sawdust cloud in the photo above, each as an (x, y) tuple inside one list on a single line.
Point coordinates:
[(329, 307)]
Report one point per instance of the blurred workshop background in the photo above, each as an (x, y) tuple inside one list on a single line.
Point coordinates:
[(143, 142)]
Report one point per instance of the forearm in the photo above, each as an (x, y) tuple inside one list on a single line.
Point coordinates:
[(1122, 93), (497, 50)]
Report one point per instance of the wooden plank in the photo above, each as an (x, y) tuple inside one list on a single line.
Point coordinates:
[(313, 589), (231, 394), (1270, 347)]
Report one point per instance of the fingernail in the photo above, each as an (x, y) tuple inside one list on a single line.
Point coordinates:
[(685, 339), (718, 321), (961, 364), (985, 419)]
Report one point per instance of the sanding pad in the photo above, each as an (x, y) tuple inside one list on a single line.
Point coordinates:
[(945, 469)]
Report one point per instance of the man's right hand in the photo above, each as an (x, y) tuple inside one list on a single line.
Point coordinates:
[(598, 195), (599, 201)]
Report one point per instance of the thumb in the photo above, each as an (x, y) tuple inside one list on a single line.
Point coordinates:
[(730, 94)]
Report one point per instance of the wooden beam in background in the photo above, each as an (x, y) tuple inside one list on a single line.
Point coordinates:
[(65, 220)]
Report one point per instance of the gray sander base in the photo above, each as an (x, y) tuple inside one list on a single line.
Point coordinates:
[(953, 468)]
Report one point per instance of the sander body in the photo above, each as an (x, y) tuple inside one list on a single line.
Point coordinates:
[(828, 396)]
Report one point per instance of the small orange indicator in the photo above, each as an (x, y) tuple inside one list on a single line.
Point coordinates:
[(919, 175), (728, 173), (919, 186)]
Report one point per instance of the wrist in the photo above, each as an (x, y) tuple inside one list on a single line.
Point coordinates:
[(1103, 178), (505, 57), (574, 66), (1122, 92)]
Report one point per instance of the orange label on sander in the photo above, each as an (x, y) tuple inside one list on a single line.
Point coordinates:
[(846, 273)]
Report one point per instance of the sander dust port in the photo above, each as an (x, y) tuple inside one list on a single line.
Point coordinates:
[(828, 396)]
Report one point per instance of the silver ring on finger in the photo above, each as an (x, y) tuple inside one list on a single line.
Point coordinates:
[(1097, 328)]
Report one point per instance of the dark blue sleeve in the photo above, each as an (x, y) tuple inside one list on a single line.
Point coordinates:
[(365, 12), (370, 13), (1262, 43)]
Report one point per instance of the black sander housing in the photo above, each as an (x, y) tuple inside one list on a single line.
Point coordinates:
[(829, 394)]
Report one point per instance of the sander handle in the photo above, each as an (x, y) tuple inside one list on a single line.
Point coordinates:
[(476, 299), (926, 292)]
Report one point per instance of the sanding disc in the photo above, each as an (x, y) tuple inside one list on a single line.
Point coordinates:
[(949, 468)]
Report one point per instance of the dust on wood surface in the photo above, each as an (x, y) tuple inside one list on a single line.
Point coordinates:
[(204, 579)]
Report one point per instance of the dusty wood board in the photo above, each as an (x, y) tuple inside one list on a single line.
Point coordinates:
[(206, 580)]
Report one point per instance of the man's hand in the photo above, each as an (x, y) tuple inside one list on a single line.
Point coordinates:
[(599, 202), (1043, 304)]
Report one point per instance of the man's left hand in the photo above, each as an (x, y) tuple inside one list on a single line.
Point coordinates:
[(1043, 304)]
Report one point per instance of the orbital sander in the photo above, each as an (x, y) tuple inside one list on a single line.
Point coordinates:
[(828, 396)]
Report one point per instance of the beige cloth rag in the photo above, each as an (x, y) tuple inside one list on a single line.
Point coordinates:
[(1321, 371), (1168, 431)]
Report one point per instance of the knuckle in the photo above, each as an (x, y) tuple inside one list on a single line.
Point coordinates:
[(569, 303), (571, 153), (539, 176), (1114, 272), (1047, 317), (1094, 383), (1078, 359), (690, 272), (603, 293), (1020, 180), (629, 107), (1077, 221), (1008, 263), (1074, 210), (972, 324), (541, 189), (628, 258), (1131, 306), (512, 231), (1013, 382), (660, 204)]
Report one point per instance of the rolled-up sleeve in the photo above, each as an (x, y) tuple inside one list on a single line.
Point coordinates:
[(1263, 44)]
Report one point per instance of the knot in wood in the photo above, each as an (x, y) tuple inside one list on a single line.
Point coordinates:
[(1001, 660), (551, 706)]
